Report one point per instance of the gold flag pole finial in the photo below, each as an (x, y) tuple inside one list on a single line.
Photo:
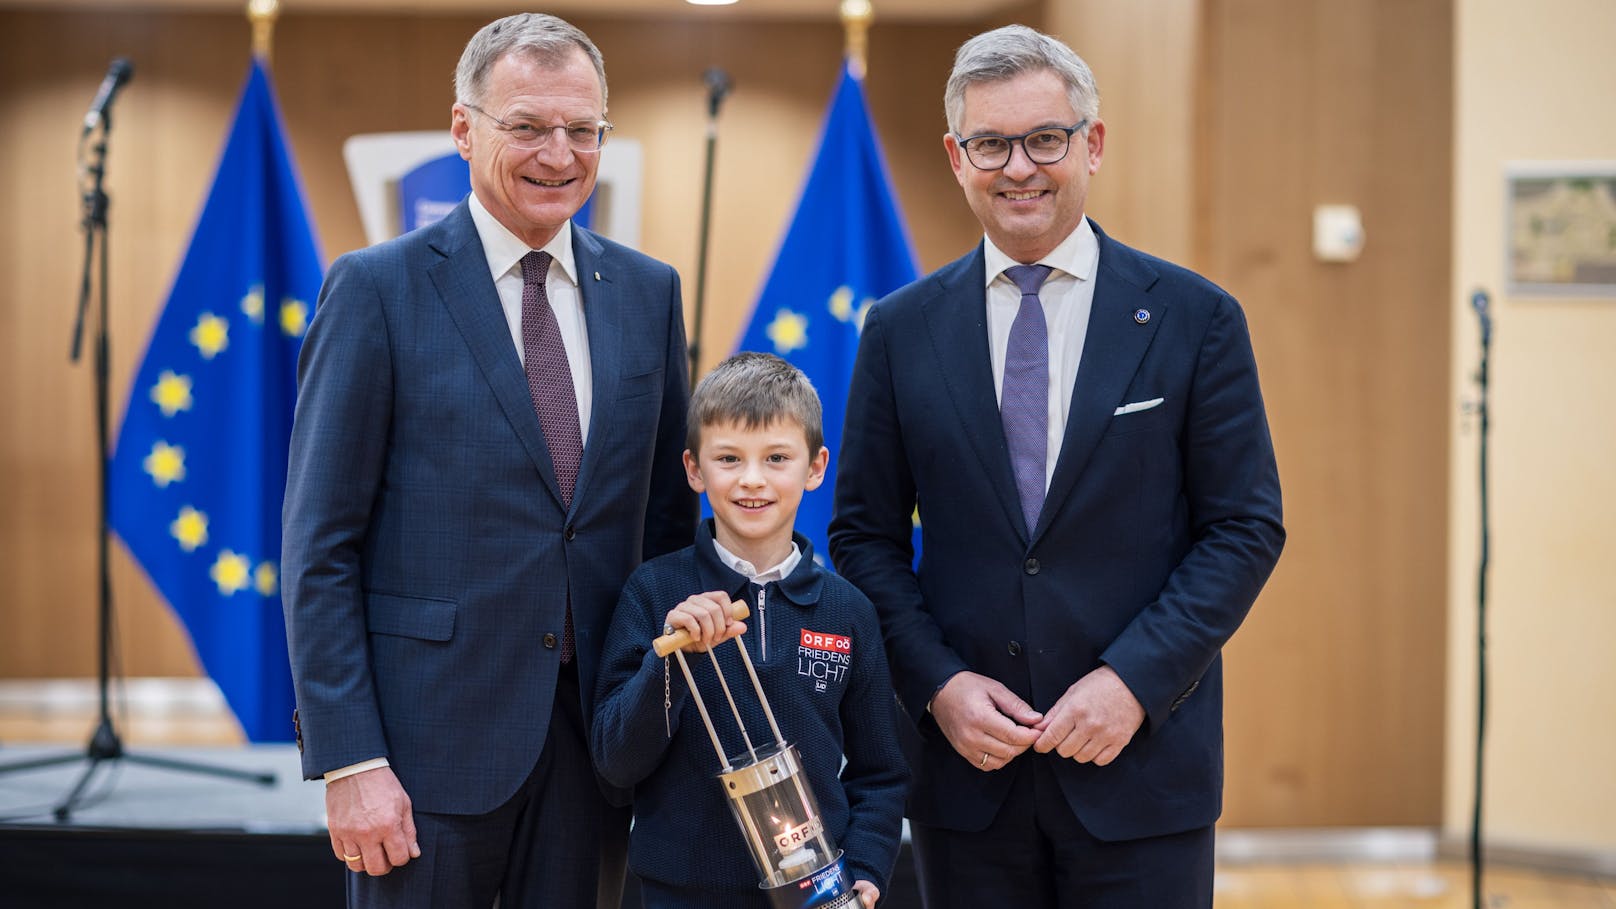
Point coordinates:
[(262, 14), (856, 16)]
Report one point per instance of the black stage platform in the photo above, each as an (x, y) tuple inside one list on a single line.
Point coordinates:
[(154, 837)]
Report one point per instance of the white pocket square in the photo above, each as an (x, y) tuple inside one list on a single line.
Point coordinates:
[(1137, 406)]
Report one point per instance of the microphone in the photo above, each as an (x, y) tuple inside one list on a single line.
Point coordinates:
[(118, 74), (718, 85), (1480, 302)]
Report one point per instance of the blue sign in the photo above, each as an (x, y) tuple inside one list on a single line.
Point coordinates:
[(432, 190)]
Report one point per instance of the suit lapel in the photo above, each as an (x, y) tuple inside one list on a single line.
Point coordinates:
[(603, 319), (1115, 345), (467, 292), (956, 316)]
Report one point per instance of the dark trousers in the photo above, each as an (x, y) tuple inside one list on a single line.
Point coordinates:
[(657, 895), (1037, 855), (557, 844)]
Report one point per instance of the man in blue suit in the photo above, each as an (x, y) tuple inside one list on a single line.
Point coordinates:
[(1081, 427), (490, 418)]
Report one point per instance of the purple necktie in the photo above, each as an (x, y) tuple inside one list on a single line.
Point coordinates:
[(1024, 397), (549, 381)]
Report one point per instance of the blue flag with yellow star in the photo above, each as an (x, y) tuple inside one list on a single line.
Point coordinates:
[(200, 467), (846, 248)]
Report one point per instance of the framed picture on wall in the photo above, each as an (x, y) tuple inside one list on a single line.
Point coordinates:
[(1561, 229)]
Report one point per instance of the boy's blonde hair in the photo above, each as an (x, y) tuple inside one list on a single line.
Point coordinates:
[(753, 390)]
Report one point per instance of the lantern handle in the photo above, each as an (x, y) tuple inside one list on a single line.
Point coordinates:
[(678, 640)]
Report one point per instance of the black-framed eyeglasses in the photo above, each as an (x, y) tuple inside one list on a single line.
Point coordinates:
[(583, 136), (1044, 145)]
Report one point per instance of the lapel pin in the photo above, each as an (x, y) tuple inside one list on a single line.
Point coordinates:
[(597, 276), (1141, 316)]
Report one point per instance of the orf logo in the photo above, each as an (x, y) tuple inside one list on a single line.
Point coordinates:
[(792, 838), (823, 657), (838, 643)]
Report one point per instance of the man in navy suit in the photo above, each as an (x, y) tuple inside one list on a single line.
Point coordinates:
[(1081, 427), (490, 418)]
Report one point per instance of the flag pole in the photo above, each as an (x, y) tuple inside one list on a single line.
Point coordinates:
[(262, 15), (856, 18)]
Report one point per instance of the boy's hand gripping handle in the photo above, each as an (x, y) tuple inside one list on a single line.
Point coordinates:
[(668, 643)]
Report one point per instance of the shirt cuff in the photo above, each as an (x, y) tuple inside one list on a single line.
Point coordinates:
[(333, 775)]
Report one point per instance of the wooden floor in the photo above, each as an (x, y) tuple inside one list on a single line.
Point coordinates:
[(1384, 886), (161, 712)]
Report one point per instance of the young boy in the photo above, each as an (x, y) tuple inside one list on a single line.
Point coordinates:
[(755, 446)]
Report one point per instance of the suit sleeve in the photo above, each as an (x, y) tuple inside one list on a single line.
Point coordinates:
[(670, 520), (1231, 488), (872, 531), (876, 776), (338, 453), (630, 730)]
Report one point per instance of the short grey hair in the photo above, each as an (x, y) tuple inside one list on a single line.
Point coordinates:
[(1010, 51), (545, 38), (754, 390)]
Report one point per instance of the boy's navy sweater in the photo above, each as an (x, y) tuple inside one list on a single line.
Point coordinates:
[(684, 833)]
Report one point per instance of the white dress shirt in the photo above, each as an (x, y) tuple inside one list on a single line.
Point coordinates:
[(505, 251), (1068, 297), (742, 566)]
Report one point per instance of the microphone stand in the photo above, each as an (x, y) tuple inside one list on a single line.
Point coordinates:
[(104, 744), (718, 85), (1479, 302)]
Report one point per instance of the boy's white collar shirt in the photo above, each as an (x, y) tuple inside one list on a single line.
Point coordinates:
[(741, 566)]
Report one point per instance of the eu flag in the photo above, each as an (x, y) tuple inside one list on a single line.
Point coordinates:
[(845, 249), (200, 467)]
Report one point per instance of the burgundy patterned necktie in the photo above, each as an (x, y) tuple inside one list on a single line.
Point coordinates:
[(1024, 397), (549, 381)]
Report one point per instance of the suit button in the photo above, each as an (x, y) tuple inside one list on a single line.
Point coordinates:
[(571, 532), (549, 642), (1015, 648), (1032, 566)]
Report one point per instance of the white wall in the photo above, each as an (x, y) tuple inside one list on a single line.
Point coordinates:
[(1534, 82)]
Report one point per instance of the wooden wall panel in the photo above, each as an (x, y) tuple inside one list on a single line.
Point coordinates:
[(1230, 119), (1336, 682), (51, 65), (1145, 57), (337, 76)]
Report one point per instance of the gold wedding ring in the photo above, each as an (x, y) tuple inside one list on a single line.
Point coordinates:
[(352, 858), (984, 764)]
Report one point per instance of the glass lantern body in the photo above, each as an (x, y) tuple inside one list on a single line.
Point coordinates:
[(797, 859)]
